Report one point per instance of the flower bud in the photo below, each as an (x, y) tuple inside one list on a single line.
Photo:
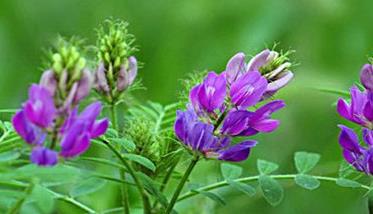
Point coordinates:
[(48, 80), (101, 83), (366, 76), (127, 75)]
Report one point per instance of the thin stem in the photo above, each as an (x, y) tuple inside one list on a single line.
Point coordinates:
[(123, 188), (113, 113), (124, 191), (17, 206), (131, 171), (165, 182), (71, 201), (253, 178), (220, 120), (180, 187)]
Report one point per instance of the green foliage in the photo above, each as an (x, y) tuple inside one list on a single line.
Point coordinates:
[(42, 198), (86, 187), (343, 182), (266, 167), (271, 189), (307, 181), (141, 160), (242, 187), (305, 162), (230, 171)]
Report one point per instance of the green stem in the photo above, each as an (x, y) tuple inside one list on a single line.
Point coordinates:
[(17, 206), (124, 191), (71, 201), (165, 182), (123, 188), (131, 171), (253, 178), (113, 116), (180, 187), (220, 120)]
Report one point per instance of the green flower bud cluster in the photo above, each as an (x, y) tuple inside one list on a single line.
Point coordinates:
[(67, 57), (114, 44)]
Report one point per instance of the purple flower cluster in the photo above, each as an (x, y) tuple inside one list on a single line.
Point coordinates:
[(39, 118), (219, 107), (49, 119), (359, 111)]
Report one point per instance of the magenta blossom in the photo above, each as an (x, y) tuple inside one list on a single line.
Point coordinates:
[(360, 109), (247, 123), (273, 66), (209, 96), (358, 156), (78, 130), (199, 137), (35, 123)]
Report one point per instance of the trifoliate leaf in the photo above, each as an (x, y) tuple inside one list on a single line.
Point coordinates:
[(272, 190), (343, 182), (305, 162), (266, 167), (307, 181), (213, 196), (245, 188), (230, 171)]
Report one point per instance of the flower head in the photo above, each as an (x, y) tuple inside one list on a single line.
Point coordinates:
[(274, 67), (118, 68), (358, 156), (360, 109), (199, 137), (209, 96)]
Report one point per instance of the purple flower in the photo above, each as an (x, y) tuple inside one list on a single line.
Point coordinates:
[(209, 96), (274, 68), (366, 76), (31, 133), (236, 67), (100, 79), (198, 136), (39, 108), (246, 123), (248, 89), (78, 130), (360, 110), (43, 156), (49, 81), (358, 156), (127, 74)]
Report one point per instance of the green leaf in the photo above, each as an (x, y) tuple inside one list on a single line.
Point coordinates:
[(346, 170), (111, 133), (343, 182), (272, 190), (153, 188), (88, 186), (141, 160), (335, 91), (307, 181), (245, 188), (213, 196), (43, 199), (305, 162), (230, 171), (127, 144), (266, 167), (9, 156)]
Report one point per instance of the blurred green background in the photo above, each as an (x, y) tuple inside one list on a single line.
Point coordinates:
[(332, 39)]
